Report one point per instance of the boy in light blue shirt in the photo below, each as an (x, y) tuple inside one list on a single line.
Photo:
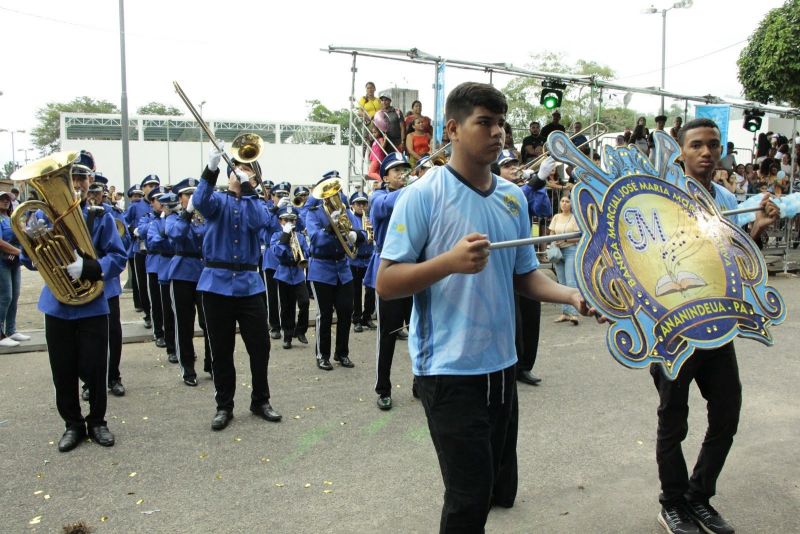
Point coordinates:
[(462, 326)]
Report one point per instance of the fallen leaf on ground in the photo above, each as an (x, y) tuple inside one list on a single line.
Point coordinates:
[(36, 520), (140, 501), (133, 474)]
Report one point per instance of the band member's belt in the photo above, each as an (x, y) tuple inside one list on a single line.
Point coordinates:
[(166, 254), (331, 258), (364, 257), (232, 266), (189, 255)]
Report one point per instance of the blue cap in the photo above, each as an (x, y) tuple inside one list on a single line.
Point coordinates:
[(286, 187), (506, 156), (288, 211), (100, 179), (84, 164), (395, 159), (151, 179), (330, 174), (155, 193), (96, 187), (267, 184), (358, 196), (169, 199), (134, 190), (187, 185), (425, 162), (301, 190)]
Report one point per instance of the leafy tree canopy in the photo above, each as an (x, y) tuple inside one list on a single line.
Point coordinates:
[(157, 108), (45, 136)]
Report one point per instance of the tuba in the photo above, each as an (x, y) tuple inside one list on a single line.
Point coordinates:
[(52, 248), (328, 191)]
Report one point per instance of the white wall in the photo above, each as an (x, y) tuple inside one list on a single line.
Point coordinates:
[(298, 164)]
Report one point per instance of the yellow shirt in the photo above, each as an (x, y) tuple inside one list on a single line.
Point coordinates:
[(564, 224), (372, 106)]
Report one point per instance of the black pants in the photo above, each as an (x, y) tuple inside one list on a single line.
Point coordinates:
[(328, 297), (156, 308), (114, 340), (391, 314), (79, 348), (137, 301), (169, 317), (292, 296), (185, 302), (362, 314), (716, 373), (473, 424), (140, 273), (273, 308), (529, 315), (222, 313)]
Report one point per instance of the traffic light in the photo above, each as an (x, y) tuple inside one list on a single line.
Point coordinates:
[(752, 120), (552, 92)]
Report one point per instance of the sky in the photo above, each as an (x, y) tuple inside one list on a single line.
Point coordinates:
[(255, 61)]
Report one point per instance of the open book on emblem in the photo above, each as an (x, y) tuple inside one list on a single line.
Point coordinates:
[(684, 280)]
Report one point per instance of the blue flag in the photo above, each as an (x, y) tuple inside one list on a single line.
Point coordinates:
[(439, 107), (720, 114)]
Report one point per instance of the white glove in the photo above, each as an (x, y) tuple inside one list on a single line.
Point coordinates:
[(287, 228), (335, 215), (190, 206), (241, 175), (214, 156), (526, 174), (547, 168), (136, 232), (164, 214), (351, 237), (282, 203), (75, 268)]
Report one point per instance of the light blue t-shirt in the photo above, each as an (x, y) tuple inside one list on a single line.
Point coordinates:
[(464, 323)]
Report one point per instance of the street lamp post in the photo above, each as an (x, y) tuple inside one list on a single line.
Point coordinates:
[(25, 152), (682, 4), (13, 149), (203, 103)]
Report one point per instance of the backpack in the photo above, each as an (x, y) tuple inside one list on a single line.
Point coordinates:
[(393, 124)]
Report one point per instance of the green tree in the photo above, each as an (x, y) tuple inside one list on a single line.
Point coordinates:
[(8, 170), (45, 136), (769, 66), (319, 113), (157, 108)]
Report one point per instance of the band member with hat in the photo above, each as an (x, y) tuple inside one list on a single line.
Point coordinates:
[(231, 287), (133, 215), (280, 198), (159, 245), (134, 194), (391, 313), (300, 197), (331, 279), (528, 313), (290, 248), (77, 335), (362, 315), (151, 265), (185, 231)]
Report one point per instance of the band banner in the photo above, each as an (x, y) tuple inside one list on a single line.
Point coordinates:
[(658, 259), (720, 114), (439, 104)]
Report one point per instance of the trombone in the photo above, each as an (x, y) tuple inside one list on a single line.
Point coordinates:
[(602, 129), (247, 147)]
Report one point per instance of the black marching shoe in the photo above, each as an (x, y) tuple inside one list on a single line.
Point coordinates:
[(85, 393), (344, 361), (708, 519), (287, 344), (302, 339), (161, 342), (207, 368), (172, 357), (324, 364), (148, 323), (190, 381), (528, 378), (414, 391), (101, 435), (221, 420), (676, 520), (265, 411), (401, 335), (275, 333), (385, 402), (72, 438), (357, 327), (369, 324), (117, 389)]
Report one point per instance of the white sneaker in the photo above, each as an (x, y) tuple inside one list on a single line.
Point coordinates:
[(8, 342), (16, 336)]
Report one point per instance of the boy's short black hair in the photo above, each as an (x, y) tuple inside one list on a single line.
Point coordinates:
[(469, 95), (695, 123)]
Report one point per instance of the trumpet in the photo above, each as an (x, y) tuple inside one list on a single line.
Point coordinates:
[(299, 201), (366, 225), (602, 129), (297, 251)]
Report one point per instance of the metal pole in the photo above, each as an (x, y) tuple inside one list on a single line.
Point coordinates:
[(13, 152), (435, 123), (126, 164), (203, 103), (169, 165), (351, 138), (663, 54)]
